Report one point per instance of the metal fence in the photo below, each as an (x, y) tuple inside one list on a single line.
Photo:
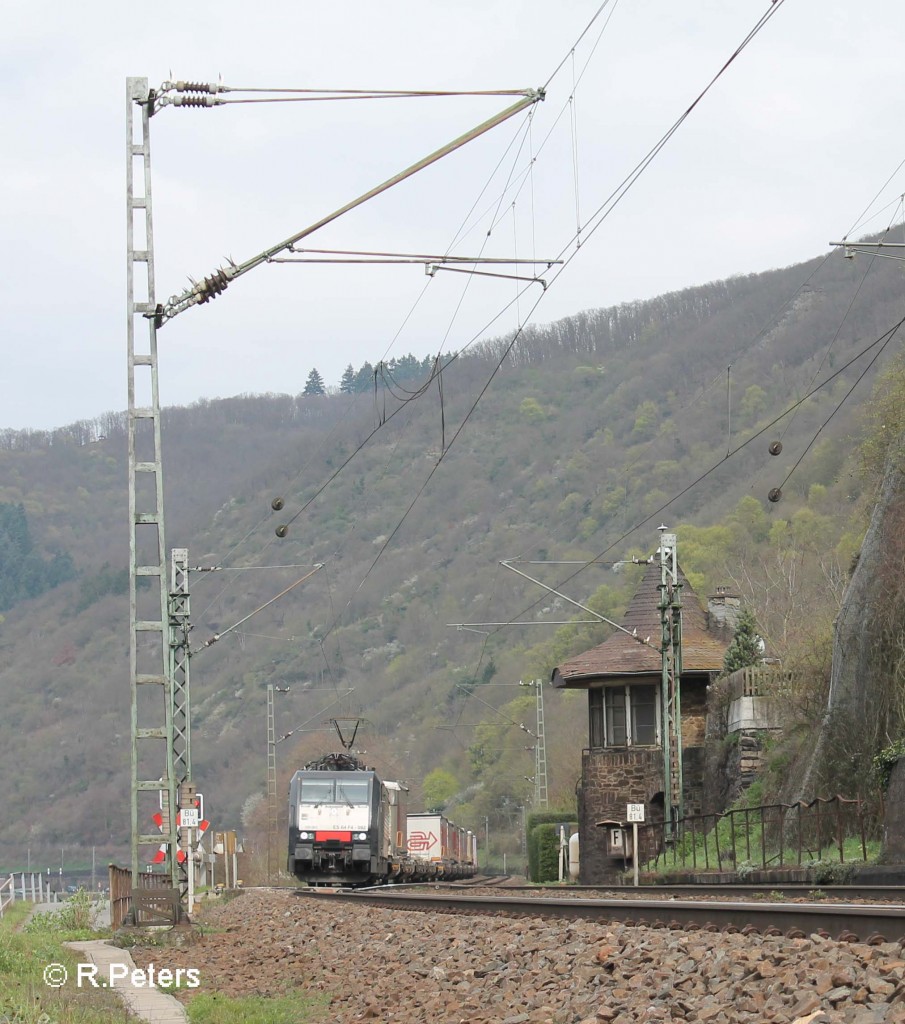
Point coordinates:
[(769, 836)]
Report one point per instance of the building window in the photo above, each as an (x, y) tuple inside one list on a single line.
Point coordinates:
[(624, 716)]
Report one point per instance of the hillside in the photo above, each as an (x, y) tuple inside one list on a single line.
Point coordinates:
[(593, 430)]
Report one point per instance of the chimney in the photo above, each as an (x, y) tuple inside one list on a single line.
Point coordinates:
[(723, 609)]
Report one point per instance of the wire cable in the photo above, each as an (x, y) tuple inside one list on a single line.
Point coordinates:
[(607, 206), (883, 340)]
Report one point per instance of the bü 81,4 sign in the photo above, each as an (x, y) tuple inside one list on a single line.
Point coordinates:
[(634, 812)]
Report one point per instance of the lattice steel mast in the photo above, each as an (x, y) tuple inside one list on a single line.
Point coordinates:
[(271, 781), (670, 607), (151, 717), (540, 752), (179, 676)]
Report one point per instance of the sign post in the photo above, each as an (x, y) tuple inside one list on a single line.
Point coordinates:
[(634, 813), (189, 819)]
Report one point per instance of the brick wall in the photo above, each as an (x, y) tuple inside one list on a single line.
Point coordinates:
[(610, 780), (613, 778), (694, 714)]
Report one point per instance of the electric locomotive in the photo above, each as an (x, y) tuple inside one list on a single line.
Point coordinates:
[(349, 828), (341, 823)]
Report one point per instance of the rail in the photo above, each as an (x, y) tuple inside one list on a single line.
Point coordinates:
[(769, 836), (844, 922)]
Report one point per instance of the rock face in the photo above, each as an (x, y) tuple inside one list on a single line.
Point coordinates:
[(860, 703), (894, 824), (866, 600)]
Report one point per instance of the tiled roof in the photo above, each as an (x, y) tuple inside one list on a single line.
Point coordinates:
[(622, 655)]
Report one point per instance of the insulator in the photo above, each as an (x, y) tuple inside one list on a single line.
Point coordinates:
[(775, 447), (775, 494), (196, 101), (276, 504), (212, 286), (197, 87), (281, 531)]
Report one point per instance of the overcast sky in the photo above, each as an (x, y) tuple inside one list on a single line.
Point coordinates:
[(784, 155)]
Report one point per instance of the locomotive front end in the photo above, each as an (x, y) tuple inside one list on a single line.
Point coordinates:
[(333, 827)]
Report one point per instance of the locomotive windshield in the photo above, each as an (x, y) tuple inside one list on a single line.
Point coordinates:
[(338, 791), (317, 791), (351, 792)]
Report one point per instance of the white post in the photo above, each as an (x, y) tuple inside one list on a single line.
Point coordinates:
[(635, 851), (12, 888), (190, 853), (235, 869)]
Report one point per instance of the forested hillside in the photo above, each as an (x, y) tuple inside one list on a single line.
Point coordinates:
[(562, 451)]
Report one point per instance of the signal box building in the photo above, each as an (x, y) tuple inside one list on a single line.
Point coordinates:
[(623, 761)]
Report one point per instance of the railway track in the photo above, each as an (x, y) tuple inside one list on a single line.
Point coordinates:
[(864, 922), (810, 892)]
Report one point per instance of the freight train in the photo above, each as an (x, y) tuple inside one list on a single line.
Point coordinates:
[(347, 827)]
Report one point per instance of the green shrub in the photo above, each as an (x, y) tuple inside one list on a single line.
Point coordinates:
[(543, 847)]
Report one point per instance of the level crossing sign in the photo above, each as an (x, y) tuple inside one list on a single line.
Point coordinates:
[(634, 812)]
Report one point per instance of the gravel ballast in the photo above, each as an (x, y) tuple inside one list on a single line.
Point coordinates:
[(412, 967)]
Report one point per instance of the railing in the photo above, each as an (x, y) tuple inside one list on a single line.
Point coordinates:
[(770, 836), (7, 893), (762, 681), (121, 890), (31, 886)]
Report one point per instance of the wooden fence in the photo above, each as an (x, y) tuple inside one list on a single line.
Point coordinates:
[(152, 901)]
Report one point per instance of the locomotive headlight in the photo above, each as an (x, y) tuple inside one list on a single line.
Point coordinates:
[(304, 835), (362, 835)]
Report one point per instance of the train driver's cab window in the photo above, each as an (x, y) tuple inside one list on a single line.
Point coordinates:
[(351, 792), (317, 791), (624, 716)]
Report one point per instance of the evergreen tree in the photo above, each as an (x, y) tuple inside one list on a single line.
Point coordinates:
[(347, 381), (746, 647), (314, 385), (23, 571), (364, 379)]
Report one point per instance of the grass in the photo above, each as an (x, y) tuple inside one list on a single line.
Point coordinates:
[(71, 923), (206, 1008), (713, 852), (25, 950)]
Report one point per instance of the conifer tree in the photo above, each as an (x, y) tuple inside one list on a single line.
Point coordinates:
[(314, 385), (364, 379), (347, 381), (746, 647)]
